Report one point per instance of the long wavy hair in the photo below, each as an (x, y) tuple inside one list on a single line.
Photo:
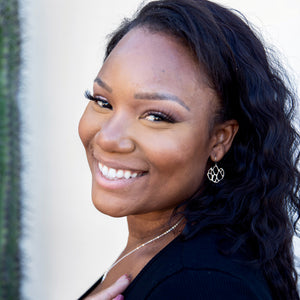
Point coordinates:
[(257, 204)]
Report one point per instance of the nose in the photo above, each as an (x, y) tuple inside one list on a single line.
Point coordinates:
[(114, 134)]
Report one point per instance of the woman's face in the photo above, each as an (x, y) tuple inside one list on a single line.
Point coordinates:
[(148, 137)]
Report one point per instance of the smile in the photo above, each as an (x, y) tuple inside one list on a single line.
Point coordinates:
[(115, 174)]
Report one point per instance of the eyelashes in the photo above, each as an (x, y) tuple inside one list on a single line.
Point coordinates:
[(151, 115), (101, 101), (87, 95), (156, 116)]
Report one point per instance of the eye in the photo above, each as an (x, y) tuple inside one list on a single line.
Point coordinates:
[(101, 101), (158, 117)]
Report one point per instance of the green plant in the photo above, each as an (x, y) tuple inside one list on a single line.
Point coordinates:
[(10, 187)]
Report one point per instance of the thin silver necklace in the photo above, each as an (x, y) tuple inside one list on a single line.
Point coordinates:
[(139, 247)]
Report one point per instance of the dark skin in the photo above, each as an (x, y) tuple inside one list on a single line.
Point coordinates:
[(154, 121), (135, 262)]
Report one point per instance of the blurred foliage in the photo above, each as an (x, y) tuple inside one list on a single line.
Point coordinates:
[(10, 188)]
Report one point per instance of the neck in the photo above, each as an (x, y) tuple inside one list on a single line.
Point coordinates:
[(145, 227), (132, 222)]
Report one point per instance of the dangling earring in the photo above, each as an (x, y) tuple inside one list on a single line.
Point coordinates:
[(215, 174)]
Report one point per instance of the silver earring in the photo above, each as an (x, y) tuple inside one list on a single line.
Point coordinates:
[(215, 174)]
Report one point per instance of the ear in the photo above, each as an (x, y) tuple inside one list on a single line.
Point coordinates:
[(223, 135)]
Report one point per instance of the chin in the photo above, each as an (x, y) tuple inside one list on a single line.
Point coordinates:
[(109, 207)]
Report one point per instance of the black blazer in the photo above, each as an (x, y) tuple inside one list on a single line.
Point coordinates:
[(194, 269)]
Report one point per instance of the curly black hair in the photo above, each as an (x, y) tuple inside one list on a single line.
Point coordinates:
[(257, 204)]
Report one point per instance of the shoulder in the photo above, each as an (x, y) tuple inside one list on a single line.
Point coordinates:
[(221, 274), (211, 273), (194, 268), (203, 285)]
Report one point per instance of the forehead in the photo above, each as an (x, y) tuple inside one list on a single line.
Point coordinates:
[(154, 62), (157, 54)]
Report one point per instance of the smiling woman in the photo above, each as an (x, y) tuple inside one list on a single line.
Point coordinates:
[(145, 127), (188, 134)]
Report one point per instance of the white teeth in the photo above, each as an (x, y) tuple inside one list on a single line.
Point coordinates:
[(105, 170), (120, 174), (112, 173), (127, 174)]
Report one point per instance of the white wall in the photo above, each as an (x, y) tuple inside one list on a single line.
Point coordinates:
[(67, 242)]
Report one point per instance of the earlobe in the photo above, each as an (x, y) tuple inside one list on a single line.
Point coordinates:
[(224, 134)]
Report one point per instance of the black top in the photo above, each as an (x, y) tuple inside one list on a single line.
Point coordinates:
[(194, 269)]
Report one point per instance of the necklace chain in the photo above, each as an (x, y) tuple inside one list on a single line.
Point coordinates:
[(139, 247)]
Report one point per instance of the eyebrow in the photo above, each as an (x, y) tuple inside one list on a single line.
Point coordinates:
[(161, 96), (101, 83)]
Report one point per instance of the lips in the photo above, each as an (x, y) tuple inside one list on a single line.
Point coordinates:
[(116, 174)]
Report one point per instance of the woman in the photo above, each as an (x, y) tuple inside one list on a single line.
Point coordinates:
[(189, 134)]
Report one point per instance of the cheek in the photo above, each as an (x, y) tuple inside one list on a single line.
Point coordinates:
[(177, 168), (87, 127), (182, 153)]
